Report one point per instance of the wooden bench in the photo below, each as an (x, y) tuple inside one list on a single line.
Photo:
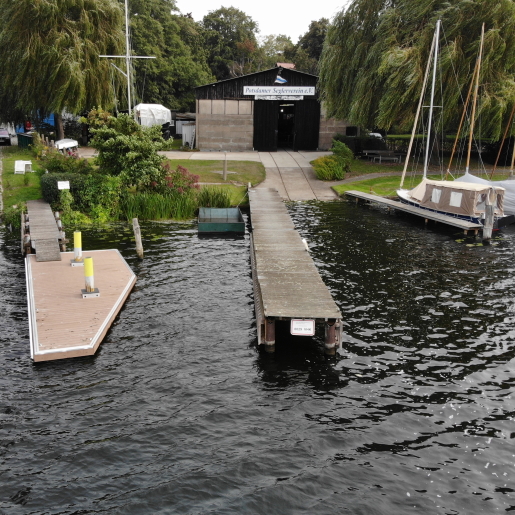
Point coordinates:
[(381, 158)]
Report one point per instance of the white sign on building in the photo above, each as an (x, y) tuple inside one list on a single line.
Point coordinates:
[(279, 90), (279, 97)]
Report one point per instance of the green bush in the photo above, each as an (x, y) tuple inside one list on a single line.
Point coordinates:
[(55, 162), (343, 153), (49, 185), (129, 150), (328, 168), (12, 216)]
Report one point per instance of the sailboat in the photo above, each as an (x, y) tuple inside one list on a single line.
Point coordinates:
[(459, 199)]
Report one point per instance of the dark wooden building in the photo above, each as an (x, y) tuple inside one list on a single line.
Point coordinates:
[(264, 111)]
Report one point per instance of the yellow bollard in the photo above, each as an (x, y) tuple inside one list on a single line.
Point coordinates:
[(77, 249), (90, 290)]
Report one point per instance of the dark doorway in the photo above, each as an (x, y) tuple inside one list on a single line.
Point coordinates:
[(307, 125), (265, 125), (285, 125)]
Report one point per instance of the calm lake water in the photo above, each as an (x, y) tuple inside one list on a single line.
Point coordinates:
[(180, 413)]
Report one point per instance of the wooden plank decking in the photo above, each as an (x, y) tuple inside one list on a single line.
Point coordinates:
[(43, 231), (287, 284), (63, 324), (424, 213)]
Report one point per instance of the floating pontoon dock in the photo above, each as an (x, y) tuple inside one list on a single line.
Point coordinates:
[(424, 213), (287, 285), (62, 323)]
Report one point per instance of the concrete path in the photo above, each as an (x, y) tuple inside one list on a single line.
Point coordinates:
[(288, 172)]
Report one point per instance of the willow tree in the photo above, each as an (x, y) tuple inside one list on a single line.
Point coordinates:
[(50, 55), (375, 55)]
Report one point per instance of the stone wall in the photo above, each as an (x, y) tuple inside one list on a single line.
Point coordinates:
[(328, 128), (225, 125)]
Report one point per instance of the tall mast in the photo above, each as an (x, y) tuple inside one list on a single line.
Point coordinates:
[(476, 87), (419, 108), (431, 104), (128, 56)]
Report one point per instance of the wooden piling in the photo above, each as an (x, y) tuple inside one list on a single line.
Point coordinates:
[(225, 167), (270, 334), (137, 235), (330, 337)]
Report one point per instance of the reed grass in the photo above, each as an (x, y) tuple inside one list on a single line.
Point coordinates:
[(213, 196), (154, 206)]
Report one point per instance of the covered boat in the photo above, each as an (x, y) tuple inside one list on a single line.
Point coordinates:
[(463, 200)]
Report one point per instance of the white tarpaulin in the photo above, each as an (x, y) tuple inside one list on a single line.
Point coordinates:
[(66, 143), (509, 186), (153, 114)]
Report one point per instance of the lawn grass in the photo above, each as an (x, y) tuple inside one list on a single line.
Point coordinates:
[(245, 171), (19, 188)]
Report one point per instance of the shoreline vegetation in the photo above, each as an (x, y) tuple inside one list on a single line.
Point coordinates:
[(102, 190), (126, 179)]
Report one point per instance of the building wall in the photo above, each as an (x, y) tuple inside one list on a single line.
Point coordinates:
[(328, 128), (225, 125)]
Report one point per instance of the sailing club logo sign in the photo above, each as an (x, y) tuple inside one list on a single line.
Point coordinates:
[(279, 90)]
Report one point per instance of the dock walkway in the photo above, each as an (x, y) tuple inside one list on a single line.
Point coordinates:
[(44, 233), (287, 285), (424, 213)]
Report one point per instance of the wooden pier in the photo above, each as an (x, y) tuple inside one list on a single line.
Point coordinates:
[(62, 323), (45, 236), (287, 285), (424, 213)]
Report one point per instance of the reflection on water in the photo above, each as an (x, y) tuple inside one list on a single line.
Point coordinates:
[(180, 413)]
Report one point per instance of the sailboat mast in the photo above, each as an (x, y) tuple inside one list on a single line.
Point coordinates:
[(128, 56), (419, 108), (431, 104), (476, 88)]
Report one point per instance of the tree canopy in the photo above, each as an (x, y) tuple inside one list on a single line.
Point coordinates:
[(178, 43), (50, 55), (230, 39), (376, 51)]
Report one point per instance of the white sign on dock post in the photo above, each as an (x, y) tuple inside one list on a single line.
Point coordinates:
[(302, 327)]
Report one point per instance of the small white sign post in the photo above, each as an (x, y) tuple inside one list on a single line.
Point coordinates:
[(302, 327), (63, 185)]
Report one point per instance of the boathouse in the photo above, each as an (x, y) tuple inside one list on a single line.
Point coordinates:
[(264, 111)]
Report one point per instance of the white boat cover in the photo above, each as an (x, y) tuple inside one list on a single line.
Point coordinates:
[(508, 185), (66, 143), (457, 197), (153, 114)]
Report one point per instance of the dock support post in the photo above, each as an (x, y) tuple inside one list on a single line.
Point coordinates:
[(90, 290), (270, 334), (137, 235), (77, 249), (330, 337)]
